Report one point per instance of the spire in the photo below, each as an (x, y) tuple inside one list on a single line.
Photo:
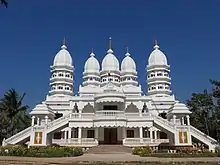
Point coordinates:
[(64, 44), (92, 53), (110, 43), (110, 46), (127, 51), (156, 46)]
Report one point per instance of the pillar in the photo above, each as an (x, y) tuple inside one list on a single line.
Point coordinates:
[(96, 133), (187, 120), (65, 134), (151, 134), (182, 120), (155, 134), (79, 134), (38, 121), (32, 120), (70, 133), (46, 119), (174, 119), (141, 134), (124, 132)]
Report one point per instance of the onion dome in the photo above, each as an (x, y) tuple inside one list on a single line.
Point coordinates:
[(92, 64), (128, 64), (63, 57), (110, 62), (157, 57)]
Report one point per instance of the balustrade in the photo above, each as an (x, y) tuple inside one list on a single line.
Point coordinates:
[(143, 141), (76, 142)]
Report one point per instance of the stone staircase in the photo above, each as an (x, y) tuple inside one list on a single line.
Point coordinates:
[(109, 149)]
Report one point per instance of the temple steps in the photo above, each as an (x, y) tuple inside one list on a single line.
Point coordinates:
[(109, 149)]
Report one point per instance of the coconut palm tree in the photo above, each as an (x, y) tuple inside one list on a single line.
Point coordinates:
[(13, 114)]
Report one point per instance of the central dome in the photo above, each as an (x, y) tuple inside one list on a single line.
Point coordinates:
[(110, 62)]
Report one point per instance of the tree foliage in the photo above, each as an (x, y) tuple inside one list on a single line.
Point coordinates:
[(4, 2), (12, 114), (205, 108)]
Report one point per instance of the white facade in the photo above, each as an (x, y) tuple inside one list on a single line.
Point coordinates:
[(110, 107)]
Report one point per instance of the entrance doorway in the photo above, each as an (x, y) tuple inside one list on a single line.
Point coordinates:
[(110, 136)]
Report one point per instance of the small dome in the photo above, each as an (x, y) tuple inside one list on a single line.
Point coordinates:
[(92, 64), (110, 62), (128, 64), (157, 57), (63, 57)]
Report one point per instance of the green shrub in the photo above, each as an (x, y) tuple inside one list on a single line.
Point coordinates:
[(41, 151), (142, 151), (136, 150), (217, 149), (145, 151)]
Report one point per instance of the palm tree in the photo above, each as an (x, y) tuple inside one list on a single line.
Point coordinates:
[(4, 2), (13, 113)]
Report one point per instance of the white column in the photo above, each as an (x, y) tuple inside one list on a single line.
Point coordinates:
[(65, 134), (79, 134), (38, 121), (46, 119), (158, 134), (187, 120), (174, 119), (155, 134), (32, 121), (182, 120), (141, 134), (151, 135), (70, 133), (96, 133), (124, 132)]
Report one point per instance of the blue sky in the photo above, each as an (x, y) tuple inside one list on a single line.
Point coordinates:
[(31, 33)]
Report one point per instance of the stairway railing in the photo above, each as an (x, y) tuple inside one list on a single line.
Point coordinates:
[(203, 135), (18, 135)]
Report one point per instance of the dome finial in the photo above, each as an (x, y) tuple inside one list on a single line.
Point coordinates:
[(64, 44), (127, 51), (156, 46), (92, 53), (110, 51), (110, 42)]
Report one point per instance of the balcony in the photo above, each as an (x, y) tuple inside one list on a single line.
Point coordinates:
[(110, 114)]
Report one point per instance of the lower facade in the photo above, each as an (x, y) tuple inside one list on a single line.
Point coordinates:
[(110, 136)]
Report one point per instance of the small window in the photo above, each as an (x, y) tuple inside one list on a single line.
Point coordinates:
[(60, 87), (160, 87), (159, 74), (130, 133)]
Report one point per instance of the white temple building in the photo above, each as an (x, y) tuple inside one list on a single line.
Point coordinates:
[(110, 106)]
